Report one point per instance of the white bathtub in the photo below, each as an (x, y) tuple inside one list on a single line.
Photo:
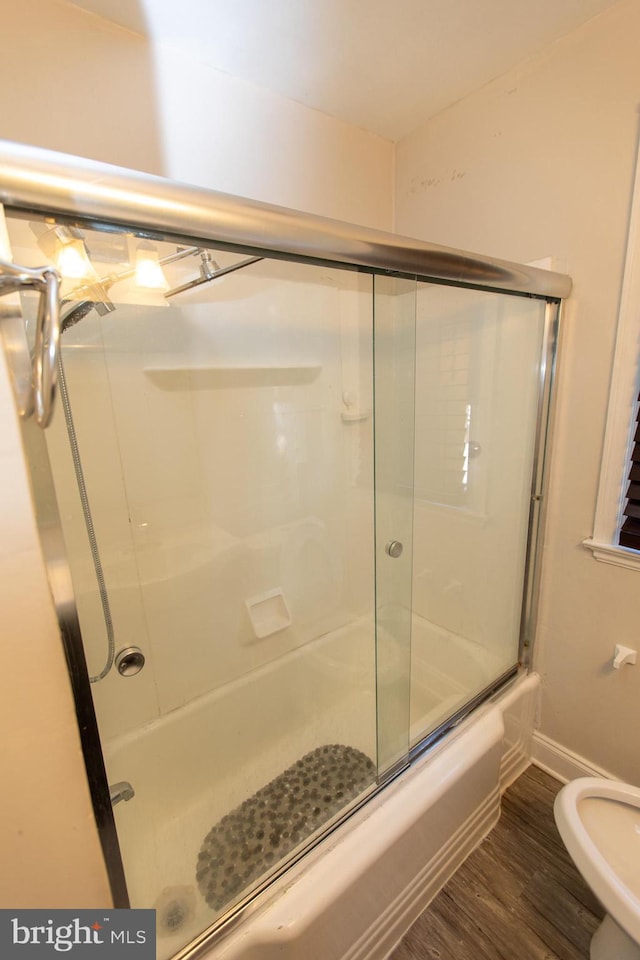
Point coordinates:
[(354, 897), (447, 671), (199, 762)]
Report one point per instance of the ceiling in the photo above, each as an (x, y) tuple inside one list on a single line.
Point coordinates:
[(383, 66)]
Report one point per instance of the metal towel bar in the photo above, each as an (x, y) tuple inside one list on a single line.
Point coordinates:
[(44, 359)]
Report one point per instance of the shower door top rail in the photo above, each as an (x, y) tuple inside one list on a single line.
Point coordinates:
[(45, 181)]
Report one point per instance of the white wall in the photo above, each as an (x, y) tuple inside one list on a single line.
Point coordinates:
[(221, 132), (540, 163), (75, 83)]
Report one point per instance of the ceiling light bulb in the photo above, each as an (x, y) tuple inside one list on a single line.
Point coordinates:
[(72, 260), (149, 273)]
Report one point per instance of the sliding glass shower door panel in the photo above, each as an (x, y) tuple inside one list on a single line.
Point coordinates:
[(223, 431), (394, 377), (478, 382)]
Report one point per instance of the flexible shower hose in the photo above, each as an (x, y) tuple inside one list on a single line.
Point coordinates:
[(88, 521)]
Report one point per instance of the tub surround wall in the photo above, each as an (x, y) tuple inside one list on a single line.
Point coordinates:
[(538, 163), (219, 470)]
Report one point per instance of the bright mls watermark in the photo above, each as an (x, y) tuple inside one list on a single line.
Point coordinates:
[(78, 934)]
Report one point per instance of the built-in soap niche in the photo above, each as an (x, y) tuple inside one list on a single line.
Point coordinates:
[(268, 613)]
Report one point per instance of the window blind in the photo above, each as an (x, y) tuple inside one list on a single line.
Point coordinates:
[(630, 529)]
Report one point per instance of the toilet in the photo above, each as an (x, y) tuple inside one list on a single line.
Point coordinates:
[(599, 822)]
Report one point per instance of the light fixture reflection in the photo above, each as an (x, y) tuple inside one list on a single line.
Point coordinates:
[(72, 260), (65, 247), (148, 271)]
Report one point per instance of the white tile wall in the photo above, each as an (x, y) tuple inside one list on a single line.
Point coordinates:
[(218, 467)]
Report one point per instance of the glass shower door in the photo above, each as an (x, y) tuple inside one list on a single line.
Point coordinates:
[(478, 388), (394, 378), (213, 463), (295, 502)]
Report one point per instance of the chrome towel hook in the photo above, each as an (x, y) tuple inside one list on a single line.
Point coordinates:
[(44, 360)]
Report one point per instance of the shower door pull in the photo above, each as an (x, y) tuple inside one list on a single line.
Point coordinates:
[(394, 549), (35, 386)]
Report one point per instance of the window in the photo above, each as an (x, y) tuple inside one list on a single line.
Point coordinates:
[(616, 535), (630, 529)]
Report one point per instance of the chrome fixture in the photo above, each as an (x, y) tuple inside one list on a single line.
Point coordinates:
[(96, 299), (208, 266), (207, 273), (394, 549), (90, 191), (121, 791), (129, 661), (75, 313), (37, 391)]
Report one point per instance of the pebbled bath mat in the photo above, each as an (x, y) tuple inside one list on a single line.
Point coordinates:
[(263, 829)]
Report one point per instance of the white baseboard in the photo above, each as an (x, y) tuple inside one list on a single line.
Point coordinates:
[(562, 763)]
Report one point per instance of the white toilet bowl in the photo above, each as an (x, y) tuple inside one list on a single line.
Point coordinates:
[(599, 822)]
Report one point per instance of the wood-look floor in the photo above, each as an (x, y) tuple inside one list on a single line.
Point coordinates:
[(517, 897)]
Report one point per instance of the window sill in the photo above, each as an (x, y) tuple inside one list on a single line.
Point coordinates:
[(610, 553)]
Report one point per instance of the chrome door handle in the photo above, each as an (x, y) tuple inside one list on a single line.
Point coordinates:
[(394, 549), (44, 360)]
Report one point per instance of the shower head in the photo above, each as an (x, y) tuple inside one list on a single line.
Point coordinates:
[(96, 297), (209, 270), (208, 266), (76, 312)]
